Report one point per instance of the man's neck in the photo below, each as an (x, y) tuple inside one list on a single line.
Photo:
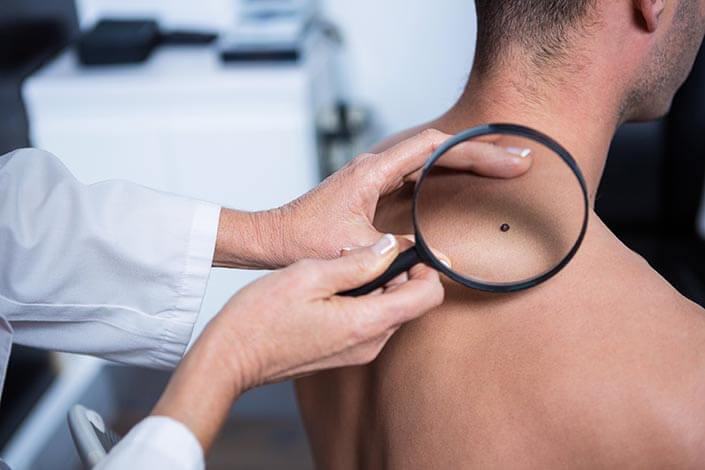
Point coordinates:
[(579, 116)]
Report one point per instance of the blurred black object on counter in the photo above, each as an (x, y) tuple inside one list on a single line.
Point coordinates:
[(117, 41), (652, 189)]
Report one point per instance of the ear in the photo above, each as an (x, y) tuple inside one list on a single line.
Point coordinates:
[(649, 11)]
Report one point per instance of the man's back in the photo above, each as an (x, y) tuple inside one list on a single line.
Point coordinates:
[(603, 366)]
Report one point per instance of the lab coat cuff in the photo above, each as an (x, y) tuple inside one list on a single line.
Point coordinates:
[(197, 268), (157, 442)]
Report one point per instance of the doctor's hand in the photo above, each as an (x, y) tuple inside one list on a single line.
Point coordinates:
[(340, 212), (292, 323)]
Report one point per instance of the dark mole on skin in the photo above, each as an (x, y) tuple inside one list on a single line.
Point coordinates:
[(505, 227)]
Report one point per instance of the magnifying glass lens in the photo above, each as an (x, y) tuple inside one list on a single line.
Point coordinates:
[(501, 231)]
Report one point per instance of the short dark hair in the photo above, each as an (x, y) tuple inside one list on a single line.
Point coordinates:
[(540, 26)]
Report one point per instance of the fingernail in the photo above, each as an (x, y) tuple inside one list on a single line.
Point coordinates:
[(523, 153), (347, 248), (385, 245)]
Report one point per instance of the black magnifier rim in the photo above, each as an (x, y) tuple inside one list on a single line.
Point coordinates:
[(507, 129)]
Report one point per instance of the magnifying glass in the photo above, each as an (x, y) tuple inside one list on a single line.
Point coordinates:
[(502, 235)]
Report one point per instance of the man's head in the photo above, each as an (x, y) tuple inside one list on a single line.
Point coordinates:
[(544, 27), (644, 47), (667, 58)]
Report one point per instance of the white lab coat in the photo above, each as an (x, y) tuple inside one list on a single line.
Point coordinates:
[(112, 269)]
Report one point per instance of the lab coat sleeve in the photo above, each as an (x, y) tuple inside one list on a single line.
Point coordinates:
[(156, 443), (111, 269)]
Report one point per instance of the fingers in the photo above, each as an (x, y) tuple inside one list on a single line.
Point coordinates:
[(487, 159), (357, 267), (407, 157), (404, 161), (397, 280), (406, 242), (484, 159), (404, 302)]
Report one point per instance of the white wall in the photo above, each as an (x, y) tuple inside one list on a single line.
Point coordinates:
[(409, 59)]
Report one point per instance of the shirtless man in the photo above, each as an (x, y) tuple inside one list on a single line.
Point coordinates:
[(601, 367)]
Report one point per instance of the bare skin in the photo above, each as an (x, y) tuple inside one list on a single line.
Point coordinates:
[(601, 367)]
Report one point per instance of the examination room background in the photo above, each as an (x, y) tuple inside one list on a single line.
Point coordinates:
[(398, 70)]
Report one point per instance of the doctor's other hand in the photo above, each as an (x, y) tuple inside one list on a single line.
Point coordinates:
[(348, 199), (341, 211), (291, 323)]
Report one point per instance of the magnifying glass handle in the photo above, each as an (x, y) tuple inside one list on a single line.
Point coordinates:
[(403, 263)]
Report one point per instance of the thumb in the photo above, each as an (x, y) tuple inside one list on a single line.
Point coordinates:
[(358, 267), (406, 242)]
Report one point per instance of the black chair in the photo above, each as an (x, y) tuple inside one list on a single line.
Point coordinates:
[(652, 189), (25, 43)]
